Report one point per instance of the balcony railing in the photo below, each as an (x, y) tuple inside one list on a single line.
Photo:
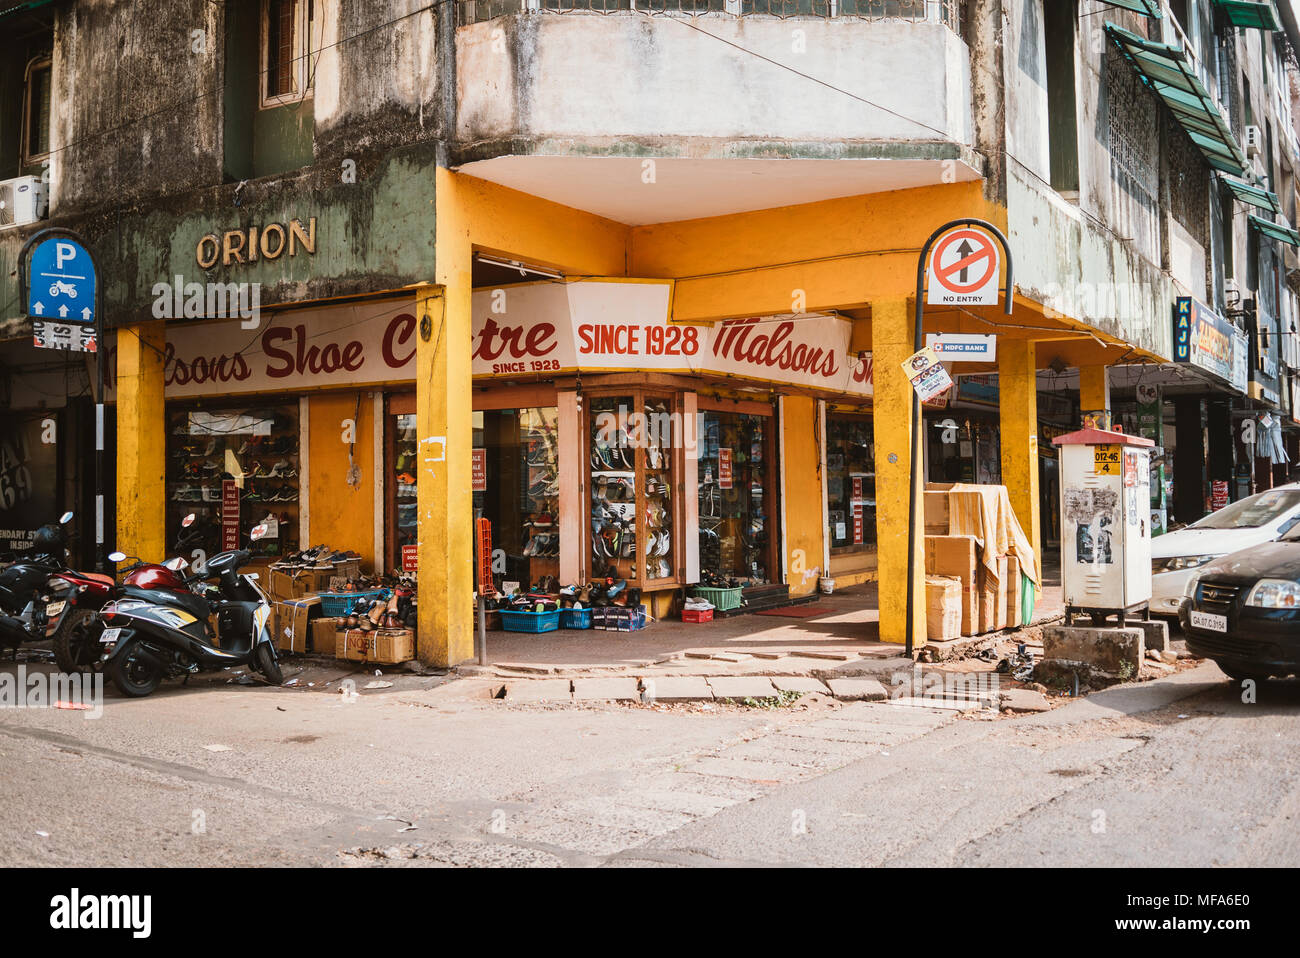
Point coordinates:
[(949, 12)]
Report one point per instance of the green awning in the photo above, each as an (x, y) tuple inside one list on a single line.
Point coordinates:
[(1149, 7), (1254, 195), (1275, 230), (1258, 14), (1164, 68)]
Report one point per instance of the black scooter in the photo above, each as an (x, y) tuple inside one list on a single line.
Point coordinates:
[(147, 639), (37, 589)]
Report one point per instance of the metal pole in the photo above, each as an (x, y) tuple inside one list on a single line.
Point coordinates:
[(918, 341), (482, 630)]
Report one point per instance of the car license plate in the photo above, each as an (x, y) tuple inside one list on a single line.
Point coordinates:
[(1210, 621), (53, 609), (109, 635)]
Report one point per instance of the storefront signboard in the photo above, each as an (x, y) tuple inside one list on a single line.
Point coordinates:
[(1204, 339), (1218, 493), (724, 468)]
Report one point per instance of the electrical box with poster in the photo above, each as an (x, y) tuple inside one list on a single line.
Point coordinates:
[(1105, 522)]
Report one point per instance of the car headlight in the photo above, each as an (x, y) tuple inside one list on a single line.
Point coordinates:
[(1275, 594), (1178, 563)]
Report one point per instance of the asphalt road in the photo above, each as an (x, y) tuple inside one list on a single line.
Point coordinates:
[(1174, 772)]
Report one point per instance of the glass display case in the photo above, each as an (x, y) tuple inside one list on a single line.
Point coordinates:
[(851, 484), (733, 491), (633, 440), (233, 469)]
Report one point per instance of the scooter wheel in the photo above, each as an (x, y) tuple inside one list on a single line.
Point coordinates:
[(75, 649), (134, 677), (265, 661)]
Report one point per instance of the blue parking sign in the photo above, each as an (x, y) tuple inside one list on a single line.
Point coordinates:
[(61, 283)]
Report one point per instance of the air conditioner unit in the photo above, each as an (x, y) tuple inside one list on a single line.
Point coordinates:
[(22, 201), (1254, 141)]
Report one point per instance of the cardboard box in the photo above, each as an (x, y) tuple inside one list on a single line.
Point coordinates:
[(1013, 592), (384, 646), (323, 635), (936, 513), (293, 629), (956, 556), (942, 607), (993, 596)]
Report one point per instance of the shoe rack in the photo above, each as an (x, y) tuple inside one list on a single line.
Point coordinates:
[(539, 450), (265, 466)]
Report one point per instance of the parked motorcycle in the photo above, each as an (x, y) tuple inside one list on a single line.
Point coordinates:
[(77, 647), (37, 593), (149, 635)]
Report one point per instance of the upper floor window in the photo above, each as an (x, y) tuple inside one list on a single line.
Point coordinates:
[(290, 48), (36, 112)]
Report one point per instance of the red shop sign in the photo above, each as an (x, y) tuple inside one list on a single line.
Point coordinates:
[(410, 558), (724, 468), (478, 471)]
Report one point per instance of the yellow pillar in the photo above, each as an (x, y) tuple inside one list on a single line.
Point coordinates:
[(891, 329), (444, 422), (1018, 402), (141, 442), (1094, 388)]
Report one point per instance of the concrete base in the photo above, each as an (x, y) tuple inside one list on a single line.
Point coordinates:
[(1157, 633), (1092, 654)]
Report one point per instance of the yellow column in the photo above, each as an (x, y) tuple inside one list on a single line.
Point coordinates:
[(444, 422), (1094, 389), (141, 442), (891, 344), (1018, 401)]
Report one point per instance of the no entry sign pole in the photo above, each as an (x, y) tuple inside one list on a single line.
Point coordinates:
[(918, 342)]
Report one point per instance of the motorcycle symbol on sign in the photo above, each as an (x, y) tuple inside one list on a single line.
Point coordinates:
[(58, 286)]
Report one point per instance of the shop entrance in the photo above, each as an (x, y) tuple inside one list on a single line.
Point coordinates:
[(736, 495)]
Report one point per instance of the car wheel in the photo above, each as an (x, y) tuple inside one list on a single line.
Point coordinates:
[(1240, 673)]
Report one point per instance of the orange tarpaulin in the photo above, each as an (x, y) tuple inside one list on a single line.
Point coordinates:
[(984, 511)]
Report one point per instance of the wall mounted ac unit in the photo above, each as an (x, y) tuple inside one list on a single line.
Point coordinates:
[(1254, 141), (22, 201)]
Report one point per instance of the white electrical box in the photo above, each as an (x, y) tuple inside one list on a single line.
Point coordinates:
[(1105, 522)]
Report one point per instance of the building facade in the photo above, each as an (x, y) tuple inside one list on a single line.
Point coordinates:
[(634, 284)]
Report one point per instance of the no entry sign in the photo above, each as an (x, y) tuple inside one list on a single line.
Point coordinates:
[(964, 269)]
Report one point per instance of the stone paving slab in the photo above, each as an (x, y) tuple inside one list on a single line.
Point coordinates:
[(600, 689), (687, 803), (741, 686), (929, 702), (537, 691), (864, 689), (605, 813), (799, 683), (876, 735), (679, 688), (766, 772)]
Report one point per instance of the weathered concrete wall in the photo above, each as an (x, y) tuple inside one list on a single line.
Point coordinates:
[(658, 80)]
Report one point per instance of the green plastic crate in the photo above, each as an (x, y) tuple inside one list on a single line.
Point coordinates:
[(724, 600)]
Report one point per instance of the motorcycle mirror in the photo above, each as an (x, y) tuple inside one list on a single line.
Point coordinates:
[(258, 532), (175, 564), (65, 518), (117, 557), (187, 521)]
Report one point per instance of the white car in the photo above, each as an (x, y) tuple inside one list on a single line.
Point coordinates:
[(1175, 556)]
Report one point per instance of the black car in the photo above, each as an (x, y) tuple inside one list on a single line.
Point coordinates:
[(1243, 610)]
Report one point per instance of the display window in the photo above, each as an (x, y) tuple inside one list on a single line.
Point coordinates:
[(963, 448), (233, 468), (633, 441), (735, 497), (850, 484)]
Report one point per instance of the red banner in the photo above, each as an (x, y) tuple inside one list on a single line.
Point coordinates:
[(410, 558), (724, 468), (478, 471)]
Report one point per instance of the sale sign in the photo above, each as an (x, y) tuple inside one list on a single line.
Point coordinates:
[(229, 514), (478, 471), (410, 558), (724, 468)]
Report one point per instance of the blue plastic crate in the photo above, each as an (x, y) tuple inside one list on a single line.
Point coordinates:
[(575, 618), (530, 621), (336, 604)]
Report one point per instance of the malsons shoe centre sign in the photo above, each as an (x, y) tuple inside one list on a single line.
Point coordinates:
[(518, 331)]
